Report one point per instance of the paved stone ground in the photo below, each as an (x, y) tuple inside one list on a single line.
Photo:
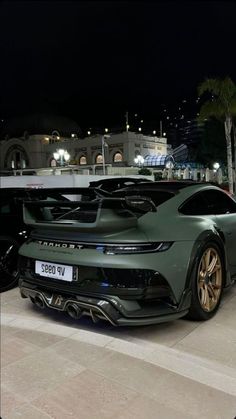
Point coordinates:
[(55, 367)]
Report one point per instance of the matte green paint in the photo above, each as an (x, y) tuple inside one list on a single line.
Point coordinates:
[(167, 224)]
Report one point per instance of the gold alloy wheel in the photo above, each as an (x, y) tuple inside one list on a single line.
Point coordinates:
[(209, 279)]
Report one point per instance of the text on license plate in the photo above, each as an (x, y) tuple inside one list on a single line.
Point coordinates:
[(54, 270)]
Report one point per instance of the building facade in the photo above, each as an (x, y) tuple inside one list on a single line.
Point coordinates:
[(36, 149)]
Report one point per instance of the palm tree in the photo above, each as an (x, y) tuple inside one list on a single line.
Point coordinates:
[(221, 106)]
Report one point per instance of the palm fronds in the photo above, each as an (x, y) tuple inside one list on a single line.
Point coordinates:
[(222, 106), (211, 109)]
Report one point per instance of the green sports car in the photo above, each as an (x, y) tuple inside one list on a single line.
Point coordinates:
[(148, 253)]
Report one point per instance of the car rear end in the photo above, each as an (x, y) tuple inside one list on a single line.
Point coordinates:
[(94, 258)]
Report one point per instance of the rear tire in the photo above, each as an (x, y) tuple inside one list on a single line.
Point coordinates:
[(207, 283), (9, 274)]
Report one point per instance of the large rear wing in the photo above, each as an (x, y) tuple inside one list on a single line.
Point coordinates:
[(103, 214)]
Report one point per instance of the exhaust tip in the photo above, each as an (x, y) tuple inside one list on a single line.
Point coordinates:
[(94, 316), (74, 311), (38, 301)]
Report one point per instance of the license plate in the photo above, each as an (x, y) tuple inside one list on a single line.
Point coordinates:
[(54, 270)]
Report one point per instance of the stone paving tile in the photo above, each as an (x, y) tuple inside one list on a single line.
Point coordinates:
[(86, 396), (167, 334), (11, 294), (224, 359), (146, 408), (140, 376), (52, 362), (80, 352), (9, 402), (7, 331), (37, 338), (191, 397), (212, 340), (11, 308), (38, 373), (94, 338), (24, 322), (14, 349), (56, 329), (27, 412), (167, 388)]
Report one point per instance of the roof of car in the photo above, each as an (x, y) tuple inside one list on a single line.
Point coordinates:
[(173, 186)]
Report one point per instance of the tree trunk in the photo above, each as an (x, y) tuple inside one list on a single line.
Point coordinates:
[(228, 128)]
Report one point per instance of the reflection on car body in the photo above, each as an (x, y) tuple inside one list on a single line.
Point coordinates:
[(148, 253)]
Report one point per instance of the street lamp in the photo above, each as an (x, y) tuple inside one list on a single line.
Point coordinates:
[(104, 144), (216, 166), (139, 160), (61, 155)]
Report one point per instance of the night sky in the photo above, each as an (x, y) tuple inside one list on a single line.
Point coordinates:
[(93, 61)]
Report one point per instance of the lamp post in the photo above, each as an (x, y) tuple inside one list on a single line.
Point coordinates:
[(62, 156), (139, 160), (217, 172), (104, 144)]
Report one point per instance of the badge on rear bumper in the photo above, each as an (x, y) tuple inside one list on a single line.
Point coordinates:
[(57, 301)]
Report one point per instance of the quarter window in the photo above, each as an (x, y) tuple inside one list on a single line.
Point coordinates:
[(219, 202), (208, 202), (196, 205)]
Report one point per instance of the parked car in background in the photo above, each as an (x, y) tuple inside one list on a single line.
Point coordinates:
[(13, 231), (149, 253)]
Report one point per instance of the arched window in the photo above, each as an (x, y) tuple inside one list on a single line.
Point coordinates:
[(82, 160), (55, 133), (99, 159), (118, 157)]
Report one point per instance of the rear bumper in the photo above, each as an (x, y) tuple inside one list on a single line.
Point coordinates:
[(106, 307)]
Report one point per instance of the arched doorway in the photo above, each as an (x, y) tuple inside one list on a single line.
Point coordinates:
[(16, 158)]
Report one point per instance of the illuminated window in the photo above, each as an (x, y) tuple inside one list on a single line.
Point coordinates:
[(82, 160), (99, 159), (118, 157)]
